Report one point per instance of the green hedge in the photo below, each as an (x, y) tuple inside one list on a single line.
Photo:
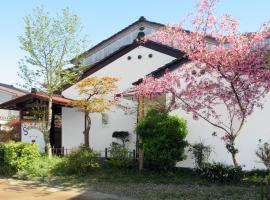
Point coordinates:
[(80, 161), (18, 155), (220, 172)]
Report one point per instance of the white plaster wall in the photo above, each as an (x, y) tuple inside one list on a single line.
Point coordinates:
[(128, 71), (257, 127), (100, 134), (72, 128)]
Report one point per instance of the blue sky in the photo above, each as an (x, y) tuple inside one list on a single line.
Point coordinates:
[(103, 18)]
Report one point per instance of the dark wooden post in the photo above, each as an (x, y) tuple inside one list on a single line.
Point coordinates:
[(134, 154), (106, 153)]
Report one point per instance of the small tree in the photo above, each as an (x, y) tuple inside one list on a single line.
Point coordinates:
[(201, 153), (121, 135), (263, 152), (226, 74), (163, 139), (94, 93), (50, 44)]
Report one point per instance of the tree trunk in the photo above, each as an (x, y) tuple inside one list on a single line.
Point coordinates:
[(48, 129), (234, 159), (233, 151), (87, 130)]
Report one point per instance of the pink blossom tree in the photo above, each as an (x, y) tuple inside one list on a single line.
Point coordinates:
[(226, 77)]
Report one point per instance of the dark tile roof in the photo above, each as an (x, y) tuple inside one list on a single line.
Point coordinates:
[(13, 88), (12, 104), (140, 20)]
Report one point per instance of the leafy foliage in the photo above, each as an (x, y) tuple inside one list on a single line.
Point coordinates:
[(120, 156), (95, 91), (200, 153), (94, 98), (20, 155), (263, 153), (50, 43), (219, 172), (163, 139), (80, 160), (42, 166), (121, 135), (11, 131)]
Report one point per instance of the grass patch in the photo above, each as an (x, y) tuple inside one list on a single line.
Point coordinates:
[(178, 184), (182, 183)]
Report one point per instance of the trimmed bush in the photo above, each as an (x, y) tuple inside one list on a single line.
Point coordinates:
[(219, 172), (121, 135), (79, 161), (120, 156), (20, 155), (163, 139)]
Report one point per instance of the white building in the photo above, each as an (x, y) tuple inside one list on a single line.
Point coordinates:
[(122, 56)]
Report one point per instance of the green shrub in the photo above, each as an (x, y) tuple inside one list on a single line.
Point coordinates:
[(263, 152), (163, 139), (6, 170), (200, 153), (79, 161), (20, 155), (120, 156), (219, 172), (2, 154), (42, 166)]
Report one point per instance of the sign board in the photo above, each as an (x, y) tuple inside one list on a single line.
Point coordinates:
[(32, 132)]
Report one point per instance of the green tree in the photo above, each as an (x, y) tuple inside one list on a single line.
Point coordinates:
[(163, 139), (94, 93), (50, 43)]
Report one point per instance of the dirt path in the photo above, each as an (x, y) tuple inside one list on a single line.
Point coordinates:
[(11, 189)]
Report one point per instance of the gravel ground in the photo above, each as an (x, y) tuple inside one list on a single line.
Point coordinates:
[(11, 189)]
